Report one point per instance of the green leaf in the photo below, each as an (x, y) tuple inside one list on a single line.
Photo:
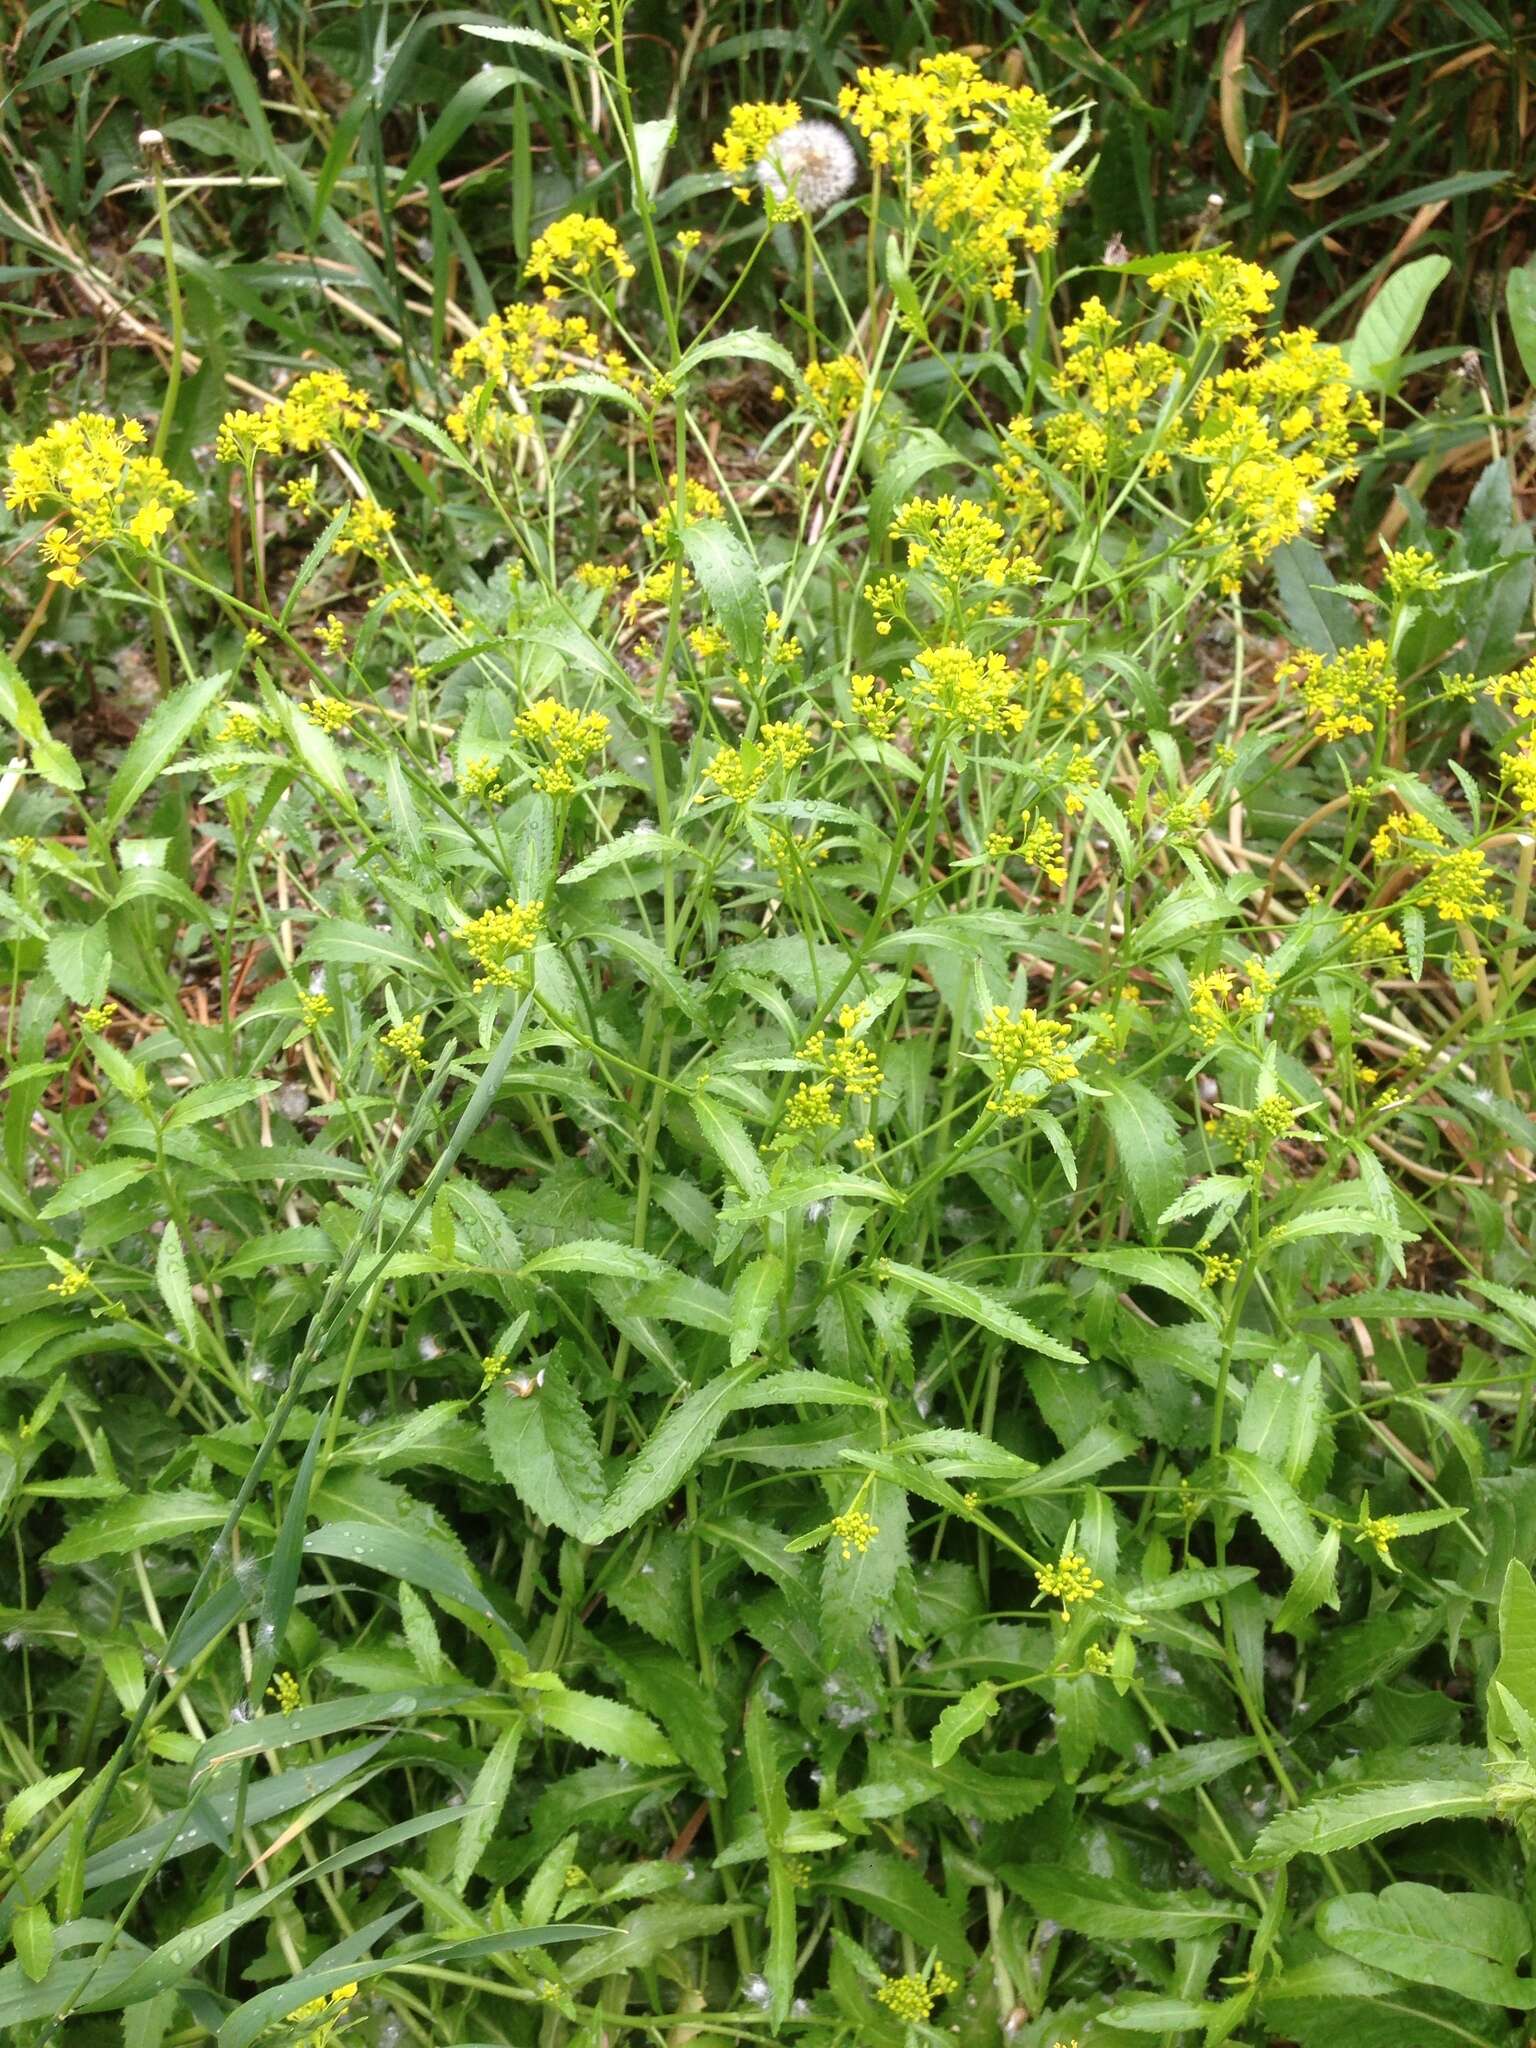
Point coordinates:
[(175, 1283), (1467, 1942), (95, 1184), (1389, 323), (1344, 1819), (729, 580), (79, 958), (543, 1446), (1148, 1149), (962, 1719), (1276, 1506), (136, 1523), (607, 1726), (157, 742), (213, 1099), (482, 1808), (1520, 304), (890, 1889), (1168, 1272), (21, 711), (28, 1803), (32, 1938), (1516, 1669), (981, 1306), (664, 1461), (1114, 1909), (752, 1300), (599, 1255)]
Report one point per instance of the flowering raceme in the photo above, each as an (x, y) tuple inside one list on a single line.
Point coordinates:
[(1345, 693), (581, 247), (312, 414), (87, 470)]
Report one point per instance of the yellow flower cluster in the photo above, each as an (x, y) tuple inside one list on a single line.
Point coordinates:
[(847, 1061), (1410, 573), (86, 468), (407, 1041), (1457, 884), (748, 132), (1021, 494), (1227, 296), (500, 935), (809, 1109), (836, 388), (480, 780), (976, 155), (530, 344), (741, 773), (314, 1009), (72, 1280), (1216, 999), (331, 714), (958, 688), (699, 502), (1022, 1044), (1070, 1580), (327, 2011), (906, 1998), (1345, 693), (367, 530), (959, 543), (568, 738), (415, 594), (1219, 1268), (285, 1690), (581, 247), (1114, 378), (854, 1531), (313, 413)]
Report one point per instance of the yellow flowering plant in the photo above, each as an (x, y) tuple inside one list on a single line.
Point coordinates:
[(768, 1142)]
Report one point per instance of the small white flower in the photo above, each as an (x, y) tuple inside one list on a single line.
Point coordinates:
[(813, 162)]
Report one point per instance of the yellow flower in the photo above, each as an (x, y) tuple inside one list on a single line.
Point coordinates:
[(1020, 1045), (367, 529), (854, 1531), (1228, 296), (810, 1109), (847, 1060), (72, 1280), (85, 468), (331, 714), (1345, 693), (285, 1690), (907, 1998), (582, 247), (955, 687), (314, 1009), (500, 935), (569, 739), (751, 127), (1070, 1580), (408, 1041), (314, 413)]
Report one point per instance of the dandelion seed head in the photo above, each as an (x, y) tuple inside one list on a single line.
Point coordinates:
[(813, 163)]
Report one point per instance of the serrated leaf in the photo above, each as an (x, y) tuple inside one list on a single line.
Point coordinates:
[(606, 1725), (962, 1719), (1467, 1942), (1344, 1819), (979, 1305), (1148, 1148)]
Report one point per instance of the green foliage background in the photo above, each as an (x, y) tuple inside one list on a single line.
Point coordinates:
[(434, 1578)]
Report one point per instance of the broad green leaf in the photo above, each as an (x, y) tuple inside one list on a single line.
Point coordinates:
[(22, 712), (94, 1184), (1389, 323), (889, 1888), (1166, 1271), (1275, 1505), (1114, 1909), (138, 1522), (32, 1938), (605, 1725), (482, 1808), (962, 1719), (1467, 1942), (1147, 1146), (728, 577), (664, 1461), (79, 958), (978, 1305), (157, 742), (1343, 1819), (174, 1280), (543, 1445), (1516, 1669)]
